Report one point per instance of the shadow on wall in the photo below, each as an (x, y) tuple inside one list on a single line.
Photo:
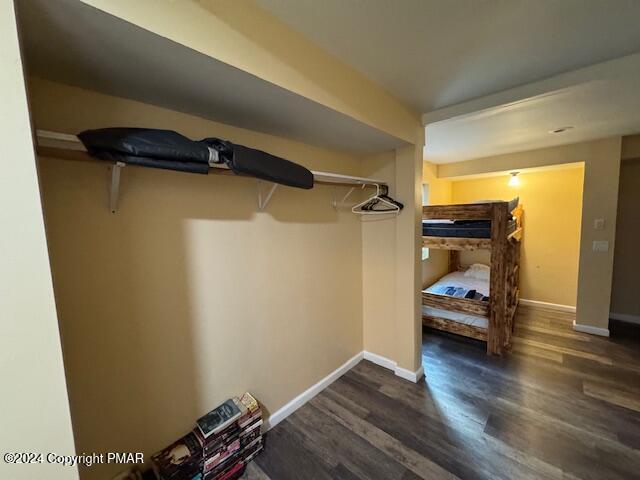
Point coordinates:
[(184, 297), (226, 197)]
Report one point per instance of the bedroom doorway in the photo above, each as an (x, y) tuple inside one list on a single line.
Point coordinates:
[(551, 198)]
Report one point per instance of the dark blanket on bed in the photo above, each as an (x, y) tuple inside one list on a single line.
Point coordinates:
[(461, 228)]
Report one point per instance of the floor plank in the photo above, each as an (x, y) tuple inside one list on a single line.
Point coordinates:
[(626, 399), (562, 405)]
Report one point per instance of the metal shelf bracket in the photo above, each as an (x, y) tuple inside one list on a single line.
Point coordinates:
[(114, 191), (335, 203), (264, 199)]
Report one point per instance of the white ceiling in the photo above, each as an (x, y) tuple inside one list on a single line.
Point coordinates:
[(436, 53), (598, 102), (73, 43)]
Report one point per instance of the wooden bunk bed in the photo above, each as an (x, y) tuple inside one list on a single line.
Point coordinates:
[(504, 244)]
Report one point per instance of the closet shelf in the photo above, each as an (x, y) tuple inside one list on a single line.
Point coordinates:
[(67, 146)]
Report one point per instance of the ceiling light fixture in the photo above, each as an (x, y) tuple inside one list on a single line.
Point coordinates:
[(514, 181), (560, 129)]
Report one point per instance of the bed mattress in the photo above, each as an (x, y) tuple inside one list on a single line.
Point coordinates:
[(460, 228), (457, 279)]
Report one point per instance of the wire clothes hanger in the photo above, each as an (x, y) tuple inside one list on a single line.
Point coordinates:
[(379, 204)]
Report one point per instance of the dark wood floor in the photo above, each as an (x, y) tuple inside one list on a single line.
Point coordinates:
[(562, 405)]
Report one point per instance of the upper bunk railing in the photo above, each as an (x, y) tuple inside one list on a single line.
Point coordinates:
[(465, 211), (493, 211)]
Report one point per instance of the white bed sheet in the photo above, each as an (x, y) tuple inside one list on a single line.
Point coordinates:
[(457, 279)]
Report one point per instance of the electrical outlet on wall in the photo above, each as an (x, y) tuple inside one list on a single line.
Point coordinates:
[(598, 224), (601, 246)]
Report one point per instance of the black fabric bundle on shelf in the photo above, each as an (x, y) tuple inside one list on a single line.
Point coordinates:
[(148, 148), (169, 150), (268, 167)]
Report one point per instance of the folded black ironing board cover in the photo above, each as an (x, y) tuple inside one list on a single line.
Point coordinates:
[(169, 150)]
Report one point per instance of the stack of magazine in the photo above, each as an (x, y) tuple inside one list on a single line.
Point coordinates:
[(220, 446)]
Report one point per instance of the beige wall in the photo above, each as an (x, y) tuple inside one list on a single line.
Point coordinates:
[(378, 267), (391, 263), (34, 409), (600, 198), (408, 249), (189, 294), (241, 34), (600, 201), (624, 296), (552, 200)]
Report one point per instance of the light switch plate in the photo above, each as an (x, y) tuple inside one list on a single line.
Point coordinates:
[(598, 224), (601, 246)]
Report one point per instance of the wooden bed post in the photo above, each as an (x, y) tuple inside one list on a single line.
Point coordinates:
[(497, 286), (454, 260)]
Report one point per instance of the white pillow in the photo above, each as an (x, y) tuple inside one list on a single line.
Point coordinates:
[(478, 271)]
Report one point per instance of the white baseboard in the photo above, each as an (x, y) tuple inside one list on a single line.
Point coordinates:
[(409, 375), (279, 415), (625, 317), (393, 366), (282, 413), (380, 360), (549, 306), (603, 332)]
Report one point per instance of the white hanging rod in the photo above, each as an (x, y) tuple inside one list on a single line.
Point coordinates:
[(64, 145), (63, 141)]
